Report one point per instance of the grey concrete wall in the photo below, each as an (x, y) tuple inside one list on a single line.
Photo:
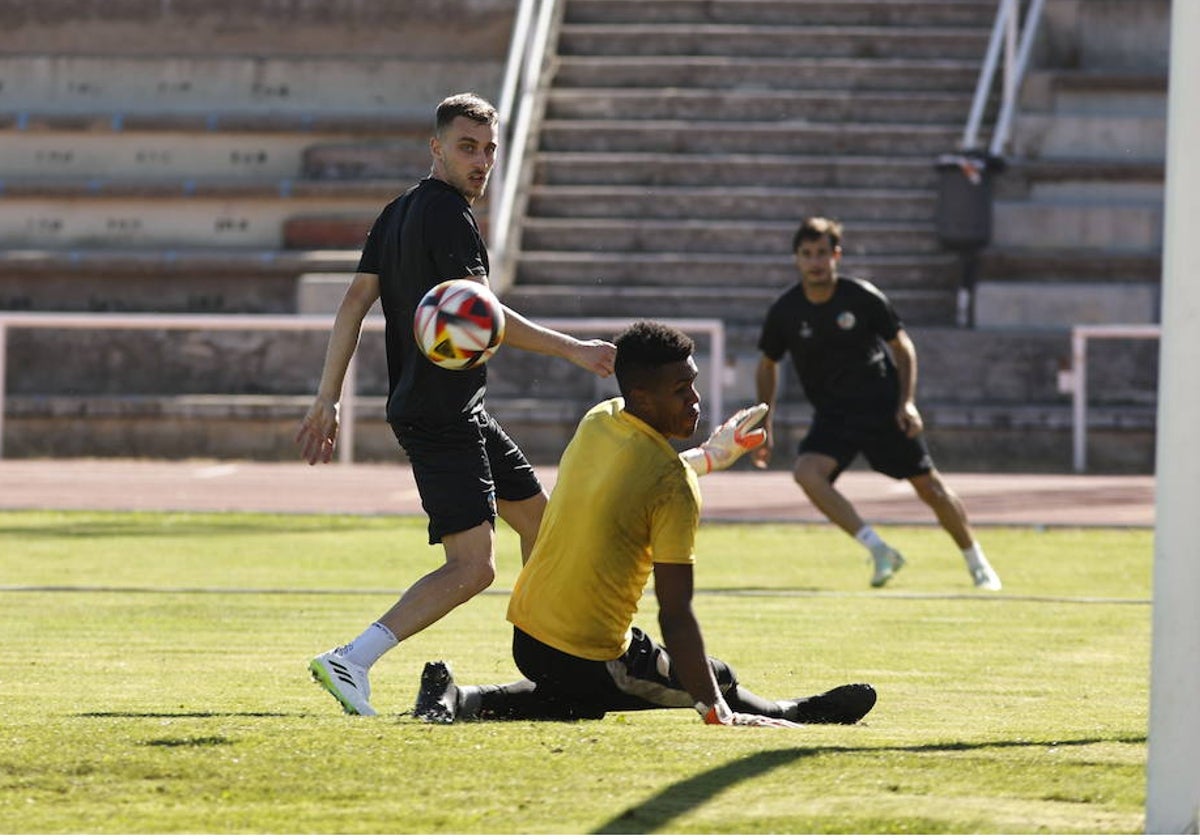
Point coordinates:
[(384, 28)]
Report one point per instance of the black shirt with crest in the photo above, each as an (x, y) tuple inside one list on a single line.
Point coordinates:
[(838, 347), (420, 239)]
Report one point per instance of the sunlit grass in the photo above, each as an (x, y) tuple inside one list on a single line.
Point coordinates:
[(155, 683)]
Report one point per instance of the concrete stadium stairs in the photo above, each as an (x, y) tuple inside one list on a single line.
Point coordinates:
[(168, 160), (683, 141), (170, 157)]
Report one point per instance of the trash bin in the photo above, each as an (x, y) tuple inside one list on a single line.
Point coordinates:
[(964, 204)]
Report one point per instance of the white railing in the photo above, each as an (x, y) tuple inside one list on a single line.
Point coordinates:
[(1080, 335), (712, 327), (519, 110), (1016, 60)]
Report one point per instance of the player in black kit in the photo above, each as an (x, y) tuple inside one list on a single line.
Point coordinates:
[(467, 469), (839, 331)]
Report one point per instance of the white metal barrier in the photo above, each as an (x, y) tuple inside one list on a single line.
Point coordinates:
[(1079, 344), (712, 327), (520, 112), (1016, 60)]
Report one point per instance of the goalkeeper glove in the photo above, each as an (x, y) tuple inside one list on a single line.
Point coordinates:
[(730, 441), (720, 714)]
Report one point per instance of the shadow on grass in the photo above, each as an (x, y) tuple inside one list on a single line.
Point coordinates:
[(175, 525), (192, 715), (203, 741), (655, 812)]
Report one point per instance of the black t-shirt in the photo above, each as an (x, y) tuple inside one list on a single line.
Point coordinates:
[(423, 237), (838, 347)]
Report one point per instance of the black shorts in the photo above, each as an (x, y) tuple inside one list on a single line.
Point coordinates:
[(569, 687), (461, 468), (877, 437)]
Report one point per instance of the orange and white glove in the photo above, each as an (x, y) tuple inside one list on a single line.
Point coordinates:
[(720, 714), (730, 441)]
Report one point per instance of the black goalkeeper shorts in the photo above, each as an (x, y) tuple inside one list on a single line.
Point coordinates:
[(570, 687)]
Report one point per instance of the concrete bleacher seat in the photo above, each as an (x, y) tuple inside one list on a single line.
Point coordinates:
[(198, 156)]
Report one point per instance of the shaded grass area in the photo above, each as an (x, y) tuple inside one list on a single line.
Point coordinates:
[(173, 696)]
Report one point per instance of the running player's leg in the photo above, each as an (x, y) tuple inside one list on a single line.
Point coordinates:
[(946, 505), (451, 471), (952, 516), (824, 452), (901, 457), (827, 449), (520, 499)]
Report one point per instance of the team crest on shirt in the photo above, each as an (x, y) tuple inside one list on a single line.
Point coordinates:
[(846, 320)]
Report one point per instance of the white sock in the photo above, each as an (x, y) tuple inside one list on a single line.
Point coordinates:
[(974, 556), (867, 536), (371, 644)]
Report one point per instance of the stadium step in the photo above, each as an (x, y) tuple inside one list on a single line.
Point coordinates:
[(749, 105), (744, 203), (770, 39), (774, 137), (177, 280), (200, 84), (724, 271), (754, 170), (176, 156), (1058, 134), (747, 306), (162, 216), (701, 236), (336, 28), (843, 74), (785, 12)]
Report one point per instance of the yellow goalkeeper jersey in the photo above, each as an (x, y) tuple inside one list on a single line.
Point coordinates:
[(623, 501)]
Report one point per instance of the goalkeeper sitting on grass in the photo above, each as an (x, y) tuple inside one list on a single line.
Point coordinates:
[(626, 504)]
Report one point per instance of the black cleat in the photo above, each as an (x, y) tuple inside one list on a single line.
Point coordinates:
[(437, 699), (845, 704)]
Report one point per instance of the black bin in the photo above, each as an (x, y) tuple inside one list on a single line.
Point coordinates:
[(964, 203)]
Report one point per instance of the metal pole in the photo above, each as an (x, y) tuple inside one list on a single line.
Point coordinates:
[(1003, 125), (717, 379), (1079, 398), (1173, 767), (986, 74), (512, 75)]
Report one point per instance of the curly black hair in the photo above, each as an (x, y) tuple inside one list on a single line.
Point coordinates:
[(644, 347)]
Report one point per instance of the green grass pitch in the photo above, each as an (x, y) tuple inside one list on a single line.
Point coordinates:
[(155, 682)]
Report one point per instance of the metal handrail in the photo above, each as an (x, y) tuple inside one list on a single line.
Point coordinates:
[(519, 101), (1016, 61)]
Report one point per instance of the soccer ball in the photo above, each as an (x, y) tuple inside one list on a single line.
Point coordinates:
[(459, 324)]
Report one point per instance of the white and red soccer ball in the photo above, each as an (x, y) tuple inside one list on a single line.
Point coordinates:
[(459, 324)]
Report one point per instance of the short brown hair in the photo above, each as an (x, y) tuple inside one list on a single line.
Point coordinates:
[(814, 227), (469, 105)]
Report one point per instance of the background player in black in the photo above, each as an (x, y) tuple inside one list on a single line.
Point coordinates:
[(838, 331), (466, 467)]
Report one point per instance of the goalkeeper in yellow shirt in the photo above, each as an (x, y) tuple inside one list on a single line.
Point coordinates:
[(626, 505)]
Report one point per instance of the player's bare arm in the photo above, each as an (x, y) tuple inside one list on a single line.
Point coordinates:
[(766, 382), (595, 354), (673, 585), (904, 354), (318, 431)]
